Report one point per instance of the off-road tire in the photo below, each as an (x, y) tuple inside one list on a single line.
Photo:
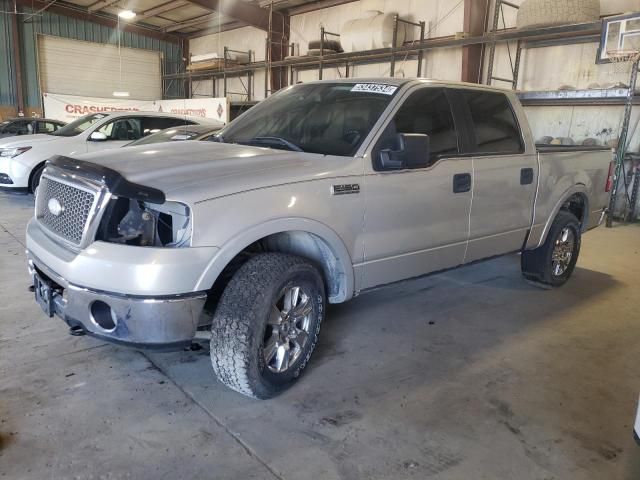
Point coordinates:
[(537, 264), (240, 322), (327, 45)]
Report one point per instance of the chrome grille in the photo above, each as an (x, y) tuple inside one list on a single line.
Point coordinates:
[(76, 206)]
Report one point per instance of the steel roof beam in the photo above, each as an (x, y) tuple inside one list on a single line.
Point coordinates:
[(199, 20), (247, 13), (100, 19), (163, 8), (217, 29), (97, 6)]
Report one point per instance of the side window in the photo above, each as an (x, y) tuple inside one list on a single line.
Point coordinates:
[(495, 126), (21, 127), (428, 112), (155, 124), (123, 129), (46, 127)]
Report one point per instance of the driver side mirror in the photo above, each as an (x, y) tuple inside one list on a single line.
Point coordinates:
[(413, 152), (98, 137)]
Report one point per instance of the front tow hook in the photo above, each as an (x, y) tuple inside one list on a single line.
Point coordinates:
[(77, 331)]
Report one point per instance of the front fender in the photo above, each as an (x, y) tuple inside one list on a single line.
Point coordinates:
[(242, 240)]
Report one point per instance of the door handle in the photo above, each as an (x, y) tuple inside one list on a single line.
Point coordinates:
[(526, 176), (461, 182)]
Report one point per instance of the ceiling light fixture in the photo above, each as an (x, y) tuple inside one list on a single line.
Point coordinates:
[(120, 94), (127, 14)]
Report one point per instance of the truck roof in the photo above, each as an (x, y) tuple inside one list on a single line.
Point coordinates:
[(403, 81)]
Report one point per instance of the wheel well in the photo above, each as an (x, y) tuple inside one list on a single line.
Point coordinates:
[(33, 172), (300, 243), (577, 204)]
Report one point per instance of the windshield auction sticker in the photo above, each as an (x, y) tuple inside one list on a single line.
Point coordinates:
[(375, 88)]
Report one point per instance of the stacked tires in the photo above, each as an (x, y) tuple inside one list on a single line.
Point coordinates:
[(543, 13)]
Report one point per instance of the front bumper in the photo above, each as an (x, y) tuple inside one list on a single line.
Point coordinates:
[(123, 269), (15, 175), (162, 322)]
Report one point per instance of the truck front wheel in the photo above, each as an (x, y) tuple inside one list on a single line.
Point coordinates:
[(267, 323), (552, 264)]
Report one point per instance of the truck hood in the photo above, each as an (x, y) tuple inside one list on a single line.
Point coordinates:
[(195, 171), (27, 140)]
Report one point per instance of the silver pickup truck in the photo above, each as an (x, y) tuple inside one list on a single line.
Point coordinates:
[(321, 192)]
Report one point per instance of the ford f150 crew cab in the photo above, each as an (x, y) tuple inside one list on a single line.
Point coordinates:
[(320, 192), (22, 158)]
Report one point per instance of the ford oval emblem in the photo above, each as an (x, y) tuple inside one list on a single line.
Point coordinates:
[(55, 207)]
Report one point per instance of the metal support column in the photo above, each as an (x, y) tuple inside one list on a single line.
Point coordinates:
[(224, 73), (634, 191), (492, 48), (421, 52), (393, 46), (621, 151), (15, 37), (515, 66), (321, 53)]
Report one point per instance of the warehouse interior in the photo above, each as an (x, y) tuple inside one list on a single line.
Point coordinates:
[(494, 370)]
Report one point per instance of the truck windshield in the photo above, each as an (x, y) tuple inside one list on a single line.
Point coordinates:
[(324, 118), (78, 126)]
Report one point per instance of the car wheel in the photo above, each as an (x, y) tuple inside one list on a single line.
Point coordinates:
[(553, 263), (267, 323), (35, 179)]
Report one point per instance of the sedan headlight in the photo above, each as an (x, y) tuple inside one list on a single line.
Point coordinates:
[(142, 224), (13, 152)]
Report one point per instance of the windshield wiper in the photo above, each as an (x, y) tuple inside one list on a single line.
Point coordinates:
[(277, 140)]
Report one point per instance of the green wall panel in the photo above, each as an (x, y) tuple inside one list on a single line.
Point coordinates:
[(47, 23)]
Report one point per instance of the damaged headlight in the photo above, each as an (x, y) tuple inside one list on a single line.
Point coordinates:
[(137, 223)]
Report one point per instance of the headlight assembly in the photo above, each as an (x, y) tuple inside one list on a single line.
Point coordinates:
[(13, 152), (132, 222)]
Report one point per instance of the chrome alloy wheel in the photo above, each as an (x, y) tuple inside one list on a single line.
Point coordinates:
[(287, 331), (563, 251)]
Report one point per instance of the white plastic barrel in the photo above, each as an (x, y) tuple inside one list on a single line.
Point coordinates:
[(373, 31)]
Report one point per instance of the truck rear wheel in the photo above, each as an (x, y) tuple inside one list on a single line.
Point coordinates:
[(553, 263), (266, 324)]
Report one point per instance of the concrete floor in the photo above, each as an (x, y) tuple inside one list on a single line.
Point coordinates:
[(471, 374)]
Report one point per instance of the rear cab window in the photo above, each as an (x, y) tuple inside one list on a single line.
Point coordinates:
[(495, 129)]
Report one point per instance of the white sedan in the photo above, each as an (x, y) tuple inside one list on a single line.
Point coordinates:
[(22, 159)]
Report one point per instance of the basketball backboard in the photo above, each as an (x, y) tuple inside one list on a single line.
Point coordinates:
[(619, 33)]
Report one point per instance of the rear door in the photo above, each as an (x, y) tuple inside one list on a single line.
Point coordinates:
[(417, 220), (504, 173)]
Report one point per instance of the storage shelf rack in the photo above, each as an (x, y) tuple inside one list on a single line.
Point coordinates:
[(535, 37)]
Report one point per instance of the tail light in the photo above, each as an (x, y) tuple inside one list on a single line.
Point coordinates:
[(612, 170)]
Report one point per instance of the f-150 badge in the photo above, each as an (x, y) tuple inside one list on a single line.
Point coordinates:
[(346, 189)]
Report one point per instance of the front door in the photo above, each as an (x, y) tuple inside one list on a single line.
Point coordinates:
[(417, 220)]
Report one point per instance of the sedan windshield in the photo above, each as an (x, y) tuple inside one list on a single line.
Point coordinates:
[(324, 118), (78, 126)]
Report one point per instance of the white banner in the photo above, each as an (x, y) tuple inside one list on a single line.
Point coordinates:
[(70, 107), (216, 108)]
